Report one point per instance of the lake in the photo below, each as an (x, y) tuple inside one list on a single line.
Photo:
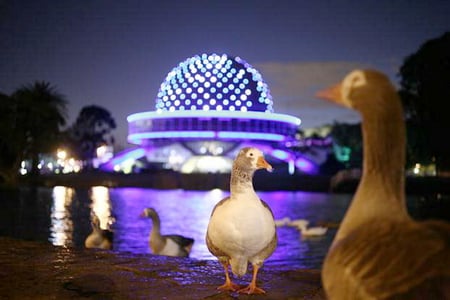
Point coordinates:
[(61, 216)]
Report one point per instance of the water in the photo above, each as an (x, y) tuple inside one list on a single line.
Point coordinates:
[(61, 216)]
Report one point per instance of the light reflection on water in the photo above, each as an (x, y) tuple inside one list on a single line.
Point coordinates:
[(61, 222), (101, 206), (62, 216), (181, 212)]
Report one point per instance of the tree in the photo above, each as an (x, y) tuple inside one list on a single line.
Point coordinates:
[(425, 93), (8, 148), (92, 128), (31, 121)]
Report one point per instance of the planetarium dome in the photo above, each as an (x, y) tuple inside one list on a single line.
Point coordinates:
[(214, 82), (207, 108)]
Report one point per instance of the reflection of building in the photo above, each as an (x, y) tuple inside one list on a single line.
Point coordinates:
[(207, 108)]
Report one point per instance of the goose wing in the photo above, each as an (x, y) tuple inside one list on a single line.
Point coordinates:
[(385, 259)]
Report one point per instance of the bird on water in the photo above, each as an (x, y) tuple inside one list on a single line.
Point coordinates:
[(379, 251), (169, 245), (241, 228), (99, 238)]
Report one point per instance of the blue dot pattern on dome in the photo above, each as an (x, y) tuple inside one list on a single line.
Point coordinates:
[(214, 82)]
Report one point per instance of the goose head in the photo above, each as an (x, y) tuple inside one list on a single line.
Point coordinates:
[(252, 159), (95, 221), (359, 87), (149, 212)]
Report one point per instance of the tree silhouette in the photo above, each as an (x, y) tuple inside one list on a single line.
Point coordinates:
[(31, 119), (425, 92), (349, 135), (92, 128)]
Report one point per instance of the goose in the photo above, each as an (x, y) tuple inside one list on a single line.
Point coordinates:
[(168, 245), (379, 251), (282, 222), (302, 226), (299, 223), (99, 238), (312, 231), (241, 228)]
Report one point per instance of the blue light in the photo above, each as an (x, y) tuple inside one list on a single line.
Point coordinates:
[(215, 114), (280, 154), (226, 135), (250, 136)]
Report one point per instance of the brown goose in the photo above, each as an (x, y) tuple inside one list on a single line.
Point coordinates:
[(169, 245), (99, 238), (379, 251), (241, 228)]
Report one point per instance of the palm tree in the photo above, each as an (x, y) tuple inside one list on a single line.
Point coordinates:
[(37, 113)]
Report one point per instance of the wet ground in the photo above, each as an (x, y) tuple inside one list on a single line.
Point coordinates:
[(34, 270)]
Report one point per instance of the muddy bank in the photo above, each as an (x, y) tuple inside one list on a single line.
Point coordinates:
[(33, 270)]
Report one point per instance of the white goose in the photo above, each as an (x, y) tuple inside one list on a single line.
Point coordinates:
[(169, 245), (99, 238), (379, 252), (241, 228)]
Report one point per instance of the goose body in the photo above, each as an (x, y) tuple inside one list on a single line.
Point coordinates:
[(379, 251), (99, 238), (168, 245), (241, 228), (313, 231)]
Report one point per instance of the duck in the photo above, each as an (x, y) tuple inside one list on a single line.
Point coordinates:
[(168, 245), (99, 238), (241, 228), (379, 250)]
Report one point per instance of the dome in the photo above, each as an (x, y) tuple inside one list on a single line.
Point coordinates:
[(214, 82)]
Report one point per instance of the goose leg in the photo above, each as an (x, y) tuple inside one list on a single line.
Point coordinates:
[(228, 285), (252, 288)]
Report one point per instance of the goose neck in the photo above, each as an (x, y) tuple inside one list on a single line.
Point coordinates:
[(241, 180)]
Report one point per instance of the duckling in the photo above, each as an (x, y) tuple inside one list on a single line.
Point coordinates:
[(169, 245)]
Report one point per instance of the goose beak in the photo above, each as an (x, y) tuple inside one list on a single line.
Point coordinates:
[(261, 163), (332, 93)]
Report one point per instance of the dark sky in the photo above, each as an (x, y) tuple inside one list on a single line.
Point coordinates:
[(115, 54)]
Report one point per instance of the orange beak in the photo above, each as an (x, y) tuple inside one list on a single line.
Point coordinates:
[(332, 93), (261, 163)]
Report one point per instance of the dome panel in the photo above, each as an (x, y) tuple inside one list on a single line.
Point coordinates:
[(226, 80)]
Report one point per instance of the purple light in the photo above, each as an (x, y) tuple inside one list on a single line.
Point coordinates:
[(119, 158), (214, 114), (306, 166), (138, 137)]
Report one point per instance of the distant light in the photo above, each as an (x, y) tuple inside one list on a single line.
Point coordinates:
[(280, 154), (137, 137), (214, 114)]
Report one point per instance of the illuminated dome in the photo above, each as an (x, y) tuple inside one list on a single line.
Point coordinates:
[(207, 108), (214, 82)]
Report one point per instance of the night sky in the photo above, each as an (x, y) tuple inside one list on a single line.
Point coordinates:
[(115, 54)]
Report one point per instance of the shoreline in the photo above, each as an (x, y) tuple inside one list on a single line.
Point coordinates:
[(35, 270), (262, 182)]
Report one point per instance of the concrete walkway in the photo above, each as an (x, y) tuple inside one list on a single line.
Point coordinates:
[(33, 270)]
